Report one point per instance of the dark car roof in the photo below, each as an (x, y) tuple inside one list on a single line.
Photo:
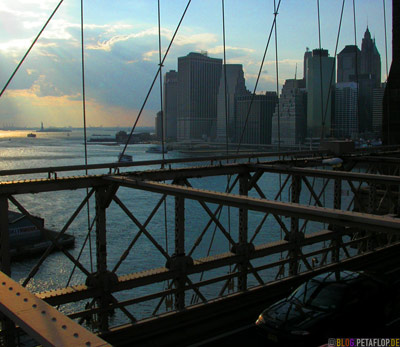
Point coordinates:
[(343, 276)]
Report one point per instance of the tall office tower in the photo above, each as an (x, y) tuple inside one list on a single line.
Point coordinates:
[(319, 100), (170, 104), (370, 58), (369, 78), (307, 54), (158, 125), (292, 114), (345, 122), (349, 64), (377, 110), (198, 83), (257, 128), (235, 85)]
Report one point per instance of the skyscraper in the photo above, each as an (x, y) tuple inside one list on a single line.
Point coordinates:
[(198, 83), (370, 58), (170, 104), (235, 86), (349, 64), (319, 100), (369, 78), (292, 114), (377, 110), (345, 123), (256, 128)]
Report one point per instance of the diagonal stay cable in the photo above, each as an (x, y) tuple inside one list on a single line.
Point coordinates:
[(258, 77), (154, 81), (84, 131), (29, 49), (333, 68), (53, 240)]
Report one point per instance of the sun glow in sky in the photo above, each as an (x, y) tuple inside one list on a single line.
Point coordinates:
[(121, 50)]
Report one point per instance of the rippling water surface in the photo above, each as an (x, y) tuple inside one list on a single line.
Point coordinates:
[(59, 149)]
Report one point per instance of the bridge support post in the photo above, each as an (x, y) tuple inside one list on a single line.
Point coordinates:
[(101, 256), (243, 234), (7, 325), (337, 204), (180, 250), (371, 241), (295, 235)]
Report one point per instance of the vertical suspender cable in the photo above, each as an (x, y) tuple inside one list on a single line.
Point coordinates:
[(333, 66), (278, 106), (356, 53), (258, 77), (386, 55), (160, 64), (320, 74), (277, 82), (84, 130), (154, 81), (227, 112)]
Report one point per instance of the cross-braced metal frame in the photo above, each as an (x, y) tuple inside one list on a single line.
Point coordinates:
[(315, 218)]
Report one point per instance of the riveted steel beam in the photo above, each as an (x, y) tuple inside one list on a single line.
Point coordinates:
[(325, 215), (44, 323)]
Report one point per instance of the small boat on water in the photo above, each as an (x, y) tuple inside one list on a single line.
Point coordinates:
[(31, 135), (156, 149), (124, 158)]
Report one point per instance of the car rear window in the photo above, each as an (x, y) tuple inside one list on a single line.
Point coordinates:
[(325, 296)]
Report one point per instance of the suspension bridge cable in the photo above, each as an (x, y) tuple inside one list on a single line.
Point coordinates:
[(320, 74), (227, 113), (27, 52), (154, 80), (333, 66), (386, 54), (356, 54), (258, 77), (161, 86), (277, 83), (162, 122), (84, 131)]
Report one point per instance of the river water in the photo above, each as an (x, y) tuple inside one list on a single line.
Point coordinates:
[(58, 149)]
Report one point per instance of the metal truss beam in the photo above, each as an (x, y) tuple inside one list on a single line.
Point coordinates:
[(330, 174), (44, 323), (345, 218)]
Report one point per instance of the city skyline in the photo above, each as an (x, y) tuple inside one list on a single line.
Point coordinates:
[(122, 52)]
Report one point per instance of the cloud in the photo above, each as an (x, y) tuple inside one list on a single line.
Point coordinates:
[(220, 49), (29, 109)]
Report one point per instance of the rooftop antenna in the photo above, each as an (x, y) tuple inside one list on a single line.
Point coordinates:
[(295, 73)]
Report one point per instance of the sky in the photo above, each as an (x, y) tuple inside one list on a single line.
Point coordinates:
[(122, 57)]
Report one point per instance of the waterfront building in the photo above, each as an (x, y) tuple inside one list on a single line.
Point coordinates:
[(158, 125), (349, 64), (235, 86), (292, 114), (345, 122), (319, 100), (170, 101), (198, 83), (253, 117)]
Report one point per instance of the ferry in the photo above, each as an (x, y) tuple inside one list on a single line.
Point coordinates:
[(124, 158), (157, 149)]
